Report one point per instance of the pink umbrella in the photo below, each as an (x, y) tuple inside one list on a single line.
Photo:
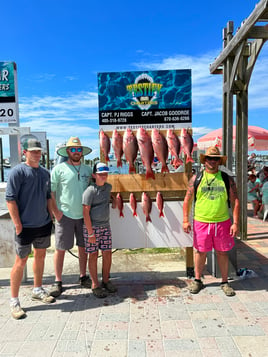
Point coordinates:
[(257, 139)]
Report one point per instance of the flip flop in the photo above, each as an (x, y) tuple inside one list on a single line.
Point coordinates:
[(99, 292)]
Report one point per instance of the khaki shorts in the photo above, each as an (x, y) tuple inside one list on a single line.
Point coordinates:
[(65, 231)]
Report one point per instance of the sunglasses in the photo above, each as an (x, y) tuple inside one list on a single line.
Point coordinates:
[(75, 150), (211, 158)]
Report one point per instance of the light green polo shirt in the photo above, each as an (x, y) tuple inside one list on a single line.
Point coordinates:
[(68, 187)]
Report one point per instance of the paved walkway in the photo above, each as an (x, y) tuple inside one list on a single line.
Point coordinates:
[(153, 313)]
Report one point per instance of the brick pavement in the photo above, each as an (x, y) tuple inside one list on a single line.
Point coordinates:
[(154, 316)]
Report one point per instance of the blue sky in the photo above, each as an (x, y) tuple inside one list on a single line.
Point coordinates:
[(60, 46)]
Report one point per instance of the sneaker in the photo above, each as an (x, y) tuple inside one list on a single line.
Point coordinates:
[(43, 296), (17, 312), (228, 291), (196, 286), (85, 281), (56, 289), (109, 286)]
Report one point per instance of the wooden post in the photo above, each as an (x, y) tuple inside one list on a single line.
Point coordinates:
[(189, 262)]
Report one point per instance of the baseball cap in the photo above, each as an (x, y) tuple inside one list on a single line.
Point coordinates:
[(32, 144), (101, 168)]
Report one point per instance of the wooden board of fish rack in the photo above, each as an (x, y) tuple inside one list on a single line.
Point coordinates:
[(172, 186)]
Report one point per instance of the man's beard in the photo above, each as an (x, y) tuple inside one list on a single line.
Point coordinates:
[(75, 159)]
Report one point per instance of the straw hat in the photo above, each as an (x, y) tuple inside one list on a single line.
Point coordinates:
[(213, 151), (73, 142)]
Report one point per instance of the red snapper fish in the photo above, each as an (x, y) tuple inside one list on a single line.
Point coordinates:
[(117, 145), (160, 147), (174, 147), (146, 151), (105, 144), (187, 144), (130, 149), (133, 203), (146, 203), (120, 204), (160, 203)]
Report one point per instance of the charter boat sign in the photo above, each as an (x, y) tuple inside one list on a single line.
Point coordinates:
[(8, 105), (149, 99)]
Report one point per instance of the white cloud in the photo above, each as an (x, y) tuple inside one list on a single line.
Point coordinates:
[(77, 114)]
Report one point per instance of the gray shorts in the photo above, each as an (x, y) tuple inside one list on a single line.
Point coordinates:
[(39, 243), (65, 230)]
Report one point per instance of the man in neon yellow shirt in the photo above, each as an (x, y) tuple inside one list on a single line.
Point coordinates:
[(212, 226), (68, 182)]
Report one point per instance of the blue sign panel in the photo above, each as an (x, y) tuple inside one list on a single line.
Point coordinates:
[(148, 98), (7, 83)]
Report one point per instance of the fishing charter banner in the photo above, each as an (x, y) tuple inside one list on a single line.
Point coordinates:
[(151, 99)]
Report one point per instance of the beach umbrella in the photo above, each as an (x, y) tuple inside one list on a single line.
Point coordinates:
[(257, 139)]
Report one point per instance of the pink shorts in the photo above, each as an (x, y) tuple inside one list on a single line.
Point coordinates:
[(212, 235)]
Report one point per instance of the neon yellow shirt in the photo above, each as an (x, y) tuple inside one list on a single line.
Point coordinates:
[(211, 199)]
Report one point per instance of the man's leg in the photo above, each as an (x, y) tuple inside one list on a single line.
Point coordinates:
[(200, 260), (82, 261), (93, 269), (58, 263), (223, 262), (38, 266), (17, 275)]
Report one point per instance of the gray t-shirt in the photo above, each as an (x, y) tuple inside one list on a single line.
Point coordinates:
[(98, 198), (30, 188)]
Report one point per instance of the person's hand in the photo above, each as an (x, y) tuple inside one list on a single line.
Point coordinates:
[(92, 238), (187, 227), (234, 230), (58, 215), (18, 228)]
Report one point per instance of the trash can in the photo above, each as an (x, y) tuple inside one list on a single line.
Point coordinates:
[(213, 267)]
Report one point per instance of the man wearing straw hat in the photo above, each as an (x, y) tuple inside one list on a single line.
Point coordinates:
[(68, 182), (212, 226)]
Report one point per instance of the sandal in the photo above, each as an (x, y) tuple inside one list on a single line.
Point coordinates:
[(99, 292), (196, 286), (228, 291), (109, 286)]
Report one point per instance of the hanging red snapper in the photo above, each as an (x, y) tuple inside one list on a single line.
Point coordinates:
[(146, 151), (120, 204), (174, 147), (160, 147), (160, 203), (146, 205), (105, 144), (130, 149), (187, 144), (117, 145), (133, 203)]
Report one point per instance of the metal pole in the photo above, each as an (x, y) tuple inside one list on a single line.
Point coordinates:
[(1, 160)]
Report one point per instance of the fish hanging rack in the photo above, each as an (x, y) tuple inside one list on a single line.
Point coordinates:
[(172, 185)]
